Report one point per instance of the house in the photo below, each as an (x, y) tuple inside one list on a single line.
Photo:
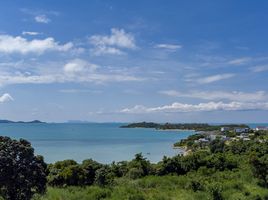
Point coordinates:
[(223, 129), (244, 134), (241, 130), (212, 137), (261, 128), (203, 140)]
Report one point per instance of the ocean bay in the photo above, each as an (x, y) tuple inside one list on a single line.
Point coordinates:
[(103, 142)]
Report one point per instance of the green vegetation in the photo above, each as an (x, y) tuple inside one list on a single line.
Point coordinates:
[(185, 126), (195, 185), (237, 170), (142, 125), (21, 173), (234, 170), (189, 142)]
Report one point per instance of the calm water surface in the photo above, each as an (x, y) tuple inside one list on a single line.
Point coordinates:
[(102, 142)]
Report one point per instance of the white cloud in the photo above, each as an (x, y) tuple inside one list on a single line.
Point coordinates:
[(205, 107), (211, 79), (73, 91), (10, 44), (239, 61), (220, 95), (79, 65), (259, 68), (61, 78), (114, 43), (100, 50), (168, 46), (42, 19), (5, 98), (30, 33), (74, 71)]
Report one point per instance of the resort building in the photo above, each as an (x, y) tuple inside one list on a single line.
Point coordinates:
[(223, 129), (261, 128), (241, 130)]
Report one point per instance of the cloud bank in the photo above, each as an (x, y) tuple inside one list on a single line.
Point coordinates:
[(201, 107), (220, 95)]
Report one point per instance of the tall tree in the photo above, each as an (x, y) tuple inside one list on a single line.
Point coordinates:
[(21, 172)]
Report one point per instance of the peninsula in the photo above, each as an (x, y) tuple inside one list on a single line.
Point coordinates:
[(184, 126)]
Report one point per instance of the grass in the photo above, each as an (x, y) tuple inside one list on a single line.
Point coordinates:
[(236, 185)]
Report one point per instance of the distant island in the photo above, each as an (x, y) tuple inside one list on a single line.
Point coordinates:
[(184, 126), (4, 121)]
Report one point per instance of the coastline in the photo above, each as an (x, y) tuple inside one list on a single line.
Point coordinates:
[(190, 130)]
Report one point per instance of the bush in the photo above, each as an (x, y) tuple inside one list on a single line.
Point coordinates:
[(135, 173), (260, 169), (103, 176), (216, 191)]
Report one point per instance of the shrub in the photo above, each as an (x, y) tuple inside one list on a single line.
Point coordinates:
[(135, 173)]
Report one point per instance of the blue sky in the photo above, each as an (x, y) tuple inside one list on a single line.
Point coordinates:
[(177, 61)]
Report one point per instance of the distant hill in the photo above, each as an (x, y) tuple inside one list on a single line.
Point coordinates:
[(30, 122), (78, 122), (183, 126)]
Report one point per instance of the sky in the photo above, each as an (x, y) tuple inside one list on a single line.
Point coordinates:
[(128, 61)]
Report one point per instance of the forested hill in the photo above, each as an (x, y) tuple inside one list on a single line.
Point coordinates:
[(183, 126), (9, 121)]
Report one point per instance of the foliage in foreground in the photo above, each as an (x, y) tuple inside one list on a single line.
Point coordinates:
[(201, 184), (237, 170), (21, 172)]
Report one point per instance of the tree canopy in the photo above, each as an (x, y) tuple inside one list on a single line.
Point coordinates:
[(21, 172)]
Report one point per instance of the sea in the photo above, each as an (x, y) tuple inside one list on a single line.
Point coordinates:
[(103, 142)]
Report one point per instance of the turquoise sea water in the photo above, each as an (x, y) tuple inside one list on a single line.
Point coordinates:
[(102, 142)]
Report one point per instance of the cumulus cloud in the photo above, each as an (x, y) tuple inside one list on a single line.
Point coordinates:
[(10, 44), (42, 19), (211, 79), (205, 107), (113, 43), (168, 46), (220, 95), (79, 65), (5, 98)]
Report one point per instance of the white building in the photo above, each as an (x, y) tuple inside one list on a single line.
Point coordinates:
[(223, 129), (241, 130), (261, 128)]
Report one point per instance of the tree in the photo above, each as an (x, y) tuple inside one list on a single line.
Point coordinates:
[(60, 173), (103, 176), (217, 146), (90, 167), (141, 163), (21, 172), (69, 172), (260, 168)]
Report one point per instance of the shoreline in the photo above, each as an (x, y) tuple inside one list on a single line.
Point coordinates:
[(190, 130)]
